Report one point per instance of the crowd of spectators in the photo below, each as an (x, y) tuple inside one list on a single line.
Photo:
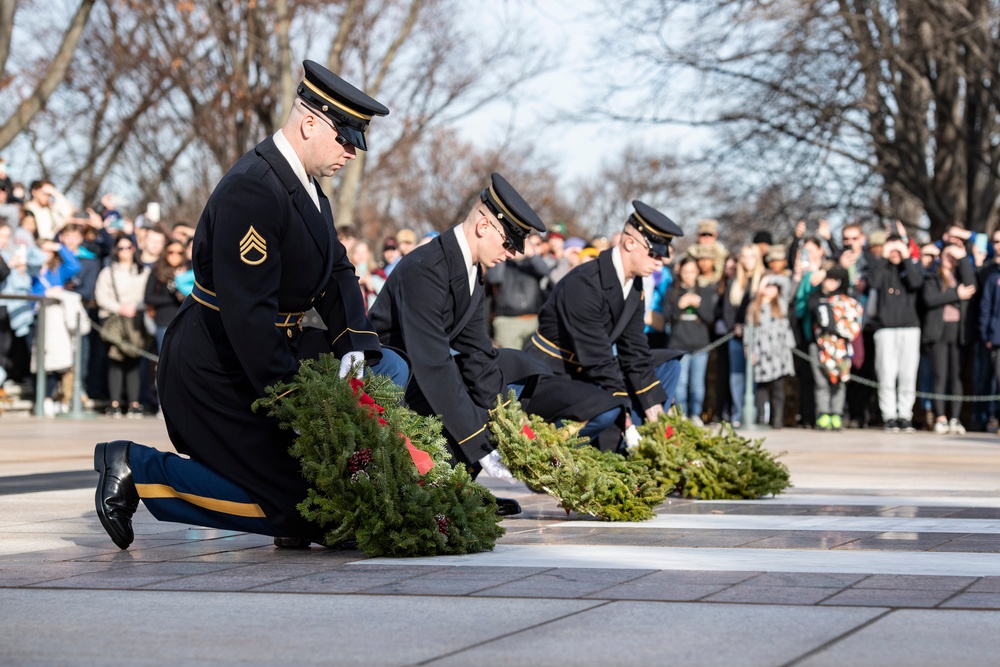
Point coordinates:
[(92, 265), (873, 306)]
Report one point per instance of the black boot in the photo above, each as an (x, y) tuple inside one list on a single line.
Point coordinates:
[(117, 500), (508, 507)]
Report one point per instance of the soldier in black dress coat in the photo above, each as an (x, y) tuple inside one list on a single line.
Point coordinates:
[(590, 333), (433, 308), (265, 251)]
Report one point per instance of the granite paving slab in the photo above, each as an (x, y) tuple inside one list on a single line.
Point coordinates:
[(179, 628), (916, 638), (665, 633)]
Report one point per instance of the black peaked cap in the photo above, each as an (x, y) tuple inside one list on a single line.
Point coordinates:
[(516, 216), (350, 109), (657, 228)]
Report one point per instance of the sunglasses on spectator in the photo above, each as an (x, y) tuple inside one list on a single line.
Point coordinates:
[(175, 252), (849, 239), (124, 247)]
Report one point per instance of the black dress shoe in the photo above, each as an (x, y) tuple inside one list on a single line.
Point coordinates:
[(117, 500), (292, 542), (508, 507)]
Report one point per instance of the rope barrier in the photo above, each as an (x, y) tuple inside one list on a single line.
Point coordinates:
[(715, 343), (920, 394)]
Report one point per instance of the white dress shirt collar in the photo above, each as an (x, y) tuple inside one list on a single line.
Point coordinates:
[(616, 259), (286, 150), (463, 243)]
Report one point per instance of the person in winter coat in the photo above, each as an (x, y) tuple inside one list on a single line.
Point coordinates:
[(946, 294), (836, 321), (121, 288), (743, 287), (690, 310), (163, 297), (894, 286), (60, 265), (771, 348)]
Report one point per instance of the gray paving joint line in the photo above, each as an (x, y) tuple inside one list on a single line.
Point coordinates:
[(513, 633), (839, 638)]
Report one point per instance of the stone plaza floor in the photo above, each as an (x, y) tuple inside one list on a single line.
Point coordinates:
[(885, 552)]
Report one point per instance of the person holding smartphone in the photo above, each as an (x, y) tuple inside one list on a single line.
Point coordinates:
[(896, 284)]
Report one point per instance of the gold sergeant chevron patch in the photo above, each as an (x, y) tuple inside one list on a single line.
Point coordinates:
[(253, 248)]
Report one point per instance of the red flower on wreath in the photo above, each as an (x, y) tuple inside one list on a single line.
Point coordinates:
[(421, 459), (528, 432), (668, 432)]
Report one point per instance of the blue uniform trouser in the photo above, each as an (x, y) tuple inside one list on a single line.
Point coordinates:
[(668, 373), (182, 490)]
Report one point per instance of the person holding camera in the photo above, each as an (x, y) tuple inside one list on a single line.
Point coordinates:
[(895, 285)]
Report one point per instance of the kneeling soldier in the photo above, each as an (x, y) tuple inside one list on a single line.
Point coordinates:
[(590, 333)]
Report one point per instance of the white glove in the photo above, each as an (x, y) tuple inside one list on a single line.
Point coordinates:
[(632, 437), (352, 360), (495, 468)]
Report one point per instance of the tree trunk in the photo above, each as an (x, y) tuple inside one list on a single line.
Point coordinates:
[(351, 181), (7, 9), (57, 72)]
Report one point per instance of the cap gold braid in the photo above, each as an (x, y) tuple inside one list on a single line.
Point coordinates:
[(499, 202), (334, 102), (649, 227)]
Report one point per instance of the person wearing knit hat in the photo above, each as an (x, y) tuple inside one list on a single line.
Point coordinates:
[(762, 239), (708, 236)]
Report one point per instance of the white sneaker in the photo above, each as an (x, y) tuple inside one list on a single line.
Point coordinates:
[(955, 427), (49, 407), (941, 426), (696, 420)]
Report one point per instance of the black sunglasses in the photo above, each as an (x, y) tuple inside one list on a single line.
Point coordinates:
[(507, 243), (652, 253), (340, 139)]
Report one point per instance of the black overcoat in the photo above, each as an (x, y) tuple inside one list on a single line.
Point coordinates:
[(261, 248), (593, 340), (426, 310)]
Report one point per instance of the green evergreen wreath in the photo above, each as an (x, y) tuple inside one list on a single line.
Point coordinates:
[(364, 483), (700, 463), (582, 478)]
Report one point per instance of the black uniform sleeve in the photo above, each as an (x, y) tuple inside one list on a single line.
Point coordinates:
[(342, 307), (247, 286)]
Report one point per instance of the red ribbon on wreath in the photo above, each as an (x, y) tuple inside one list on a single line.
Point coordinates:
[(421, 459)]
